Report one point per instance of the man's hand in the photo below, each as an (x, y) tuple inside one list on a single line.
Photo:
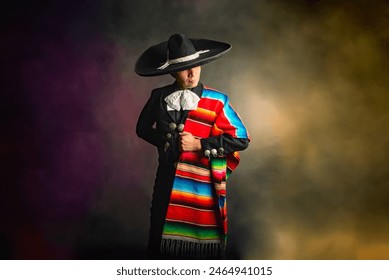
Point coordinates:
[(189, 143)]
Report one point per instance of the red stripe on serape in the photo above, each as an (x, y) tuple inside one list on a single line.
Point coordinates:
[(222, 123), (233, 160), (191, 215), (198, 129), (195, 158), (183, 198), (221, 189), (215, 131), (201, 120), (210, 104), (219, 175)]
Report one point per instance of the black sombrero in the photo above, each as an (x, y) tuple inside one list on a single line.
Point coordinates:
[(178, 54)]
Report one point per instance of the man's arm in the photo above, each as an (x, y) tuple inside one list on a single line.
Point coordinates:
[(227, 142), (146, 121), (189, 143)]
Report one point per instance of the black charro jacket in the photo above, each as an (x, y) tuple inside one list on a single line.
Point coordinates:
[(154, 126)]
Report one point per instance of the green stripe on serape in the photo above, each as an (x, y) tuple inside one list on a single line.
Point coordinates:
[(219, 163), (186, 230), (228, 173)]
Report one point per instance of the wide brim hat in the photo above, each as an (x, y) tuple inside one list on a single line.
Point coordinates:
[(177, 54)]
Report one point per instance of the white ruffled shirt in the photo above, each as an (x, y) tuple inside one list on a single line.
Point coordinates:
[(182, 99)]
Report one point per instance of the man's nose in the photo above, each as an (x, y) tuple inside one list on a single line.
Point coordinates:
[(190, 72)]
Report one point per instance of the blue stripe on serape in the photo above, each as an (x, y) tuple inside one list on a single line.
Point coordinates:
[(193, 187), (235, 121), (229, 112), (208, 93)]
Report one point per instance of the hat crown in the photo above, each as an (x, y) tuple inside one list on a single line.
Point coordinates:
[(179, 46)]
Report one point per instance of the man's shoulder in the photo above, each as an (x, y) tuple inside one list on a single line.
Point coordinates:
[(212, 93), (164, 88), (161, 92)]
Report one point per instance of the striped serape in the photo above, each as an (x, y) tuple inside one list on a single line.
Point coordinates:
[(196, 219)]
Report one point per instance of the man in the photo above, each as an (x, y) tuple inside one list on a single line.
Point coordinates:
[(197, 134)]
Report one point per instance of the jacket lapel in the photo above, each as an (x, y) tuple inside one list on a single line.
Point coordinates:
[(171, 114), (164, 104)]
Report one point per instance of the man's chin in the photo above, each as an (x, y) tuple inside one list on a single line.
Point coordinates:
[(192, 84)]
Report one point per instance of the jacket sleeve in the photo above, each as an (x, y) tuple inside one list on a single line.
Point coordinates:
[(227, 142), (145, 127)]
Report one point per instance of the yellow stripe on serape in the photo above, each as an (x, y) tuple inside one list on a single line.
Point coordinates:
[(193, 169)]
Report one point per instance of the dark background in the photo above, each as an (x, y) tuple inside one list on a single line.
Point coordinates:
[(309, 79)]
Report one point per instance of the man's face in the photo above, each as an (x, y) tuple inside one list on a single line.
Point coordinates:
[(188, 78)]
